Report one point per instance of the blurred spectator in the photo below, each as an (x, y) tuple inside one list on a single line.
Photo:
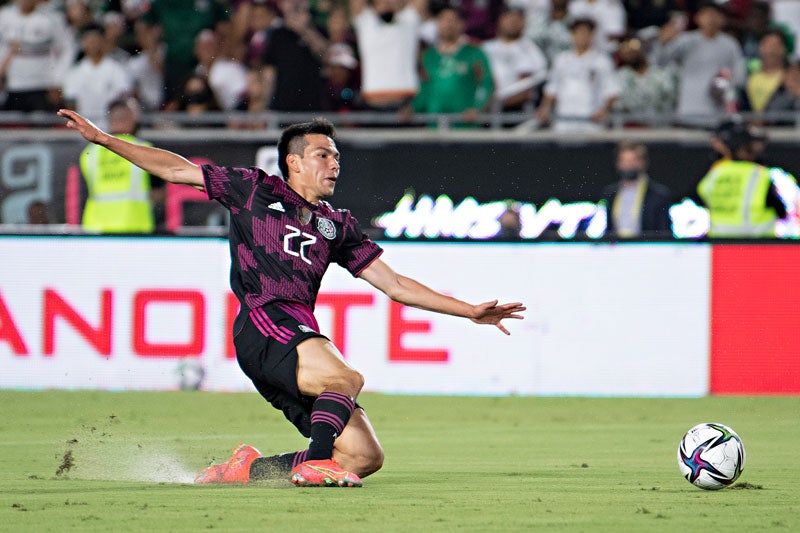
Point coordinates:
[(510, 223), (738, 192), (35, 51), (650, 13), (765, 81), (146, 68), (96, 80), (750, 29), (263, 19), (135, 9), (227, 78), (320, 11), (537, 13), (114, 25), (609, 17), (294, 60), (551, 34), (180, 22), (196, 97), (790, 100), (388, 41), (771, 88), (342, 78), (517, 64), (456, 76), (339, 28), (644, 89), (582, 86), (710, 65), (636, 205), (118, 191), (255, 100), (78, 14), (787, 13), (480, 17)]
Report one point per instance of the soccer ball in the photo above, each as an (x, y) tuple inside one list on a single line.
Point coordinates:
[(711, 456)]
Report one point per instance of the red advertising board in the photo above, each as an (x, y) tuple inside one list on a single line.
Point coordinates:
[(755, 323)]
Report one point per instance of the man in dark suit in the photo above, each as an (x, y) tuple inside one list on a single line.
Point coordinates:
[(637, 206)]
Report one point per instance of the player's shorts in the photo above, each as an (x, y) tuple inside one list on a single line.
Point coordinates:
[(266, 343)]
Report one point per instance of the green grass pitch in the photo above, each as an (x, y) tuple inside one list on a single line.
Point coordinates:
[(126, 462)]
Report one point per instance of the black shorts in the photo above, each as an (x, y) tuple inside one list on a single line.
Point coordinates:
[(266, 340)]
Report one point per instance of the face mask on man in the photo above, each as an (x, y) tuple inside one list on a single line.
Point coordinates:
[(628, 175)]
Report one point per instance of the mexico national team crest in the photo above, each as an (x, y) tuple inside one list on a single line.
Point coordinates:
[(327, 228)]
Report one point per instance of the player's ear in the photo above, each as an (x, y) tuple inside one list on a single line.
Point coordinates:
[(293, 162)]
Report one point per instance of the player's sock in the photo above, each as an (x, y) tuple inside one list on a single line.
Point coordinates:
[(329, 416), (276, 466)]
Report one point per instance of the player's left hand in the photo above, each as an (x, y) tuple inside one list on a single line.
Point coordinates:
[(491, 313), (82, 125)]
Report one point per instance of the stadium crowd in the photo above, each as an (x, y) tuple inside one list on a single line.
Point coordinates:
[(565, 64)]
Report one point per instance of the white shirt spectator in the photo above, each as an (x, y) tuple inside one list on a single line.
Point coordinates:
[(389, 54), (92, 86), (46, 50), (512, 61), (608, 15), (552, 37), (147, 80), (228, 80), (537, 13), (581, 85)]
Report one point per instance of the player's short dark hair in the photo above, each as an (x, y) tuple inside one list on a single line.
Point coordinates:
[(293, 140)]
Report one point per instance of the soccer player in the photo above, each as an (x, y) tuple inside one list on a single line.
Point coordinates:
[(283, 235)]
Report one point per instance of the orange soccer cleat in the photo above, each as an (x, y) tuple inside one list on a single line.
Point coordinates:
[(323, 473), (234, 470)]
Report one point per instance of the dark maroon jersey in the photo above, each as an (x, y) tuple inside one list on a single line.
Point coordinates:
[(281, 245)]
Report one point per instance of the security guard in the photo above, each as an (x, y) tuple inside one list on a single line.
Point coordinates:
[(119, 192), (738, 192)]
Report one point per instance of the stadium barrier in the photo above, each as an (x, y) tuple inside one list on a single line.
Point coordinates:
[(611, 320), (519, 121), (381, 170)]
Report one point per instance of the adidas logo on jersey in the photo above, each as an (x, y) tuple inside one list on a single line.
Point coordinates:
[(277, 206)]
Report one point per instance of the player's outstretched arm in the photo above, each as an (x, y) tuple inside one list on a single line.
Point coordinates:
[(162, 163), (408, 291)]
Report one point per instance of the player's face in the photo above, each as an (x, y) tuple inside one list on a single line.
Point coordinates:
[(319, 166)]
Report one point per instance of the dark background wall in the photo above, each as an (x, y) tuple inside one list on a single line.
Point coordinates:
[(375, 173)]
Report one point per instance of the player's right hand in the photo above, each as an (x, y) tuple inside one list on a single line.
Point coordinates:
[(82, 125)]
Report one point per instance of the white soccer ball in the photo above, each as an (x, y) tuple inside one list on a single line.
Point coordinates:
[(711, 456)]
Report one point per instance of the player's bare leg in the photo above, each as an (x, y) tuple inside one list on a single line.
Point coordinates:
[(323, 373), (322, 368), (343, 444), (357, 449)]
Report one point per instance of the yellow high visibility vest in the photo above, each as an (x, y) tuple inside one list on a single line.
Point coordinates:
[(119, 192), (735, 193)]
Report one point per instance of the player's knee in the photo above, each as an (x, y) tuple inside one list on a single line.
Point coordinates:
[(375, 461), (353, 381), (369, 460)]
